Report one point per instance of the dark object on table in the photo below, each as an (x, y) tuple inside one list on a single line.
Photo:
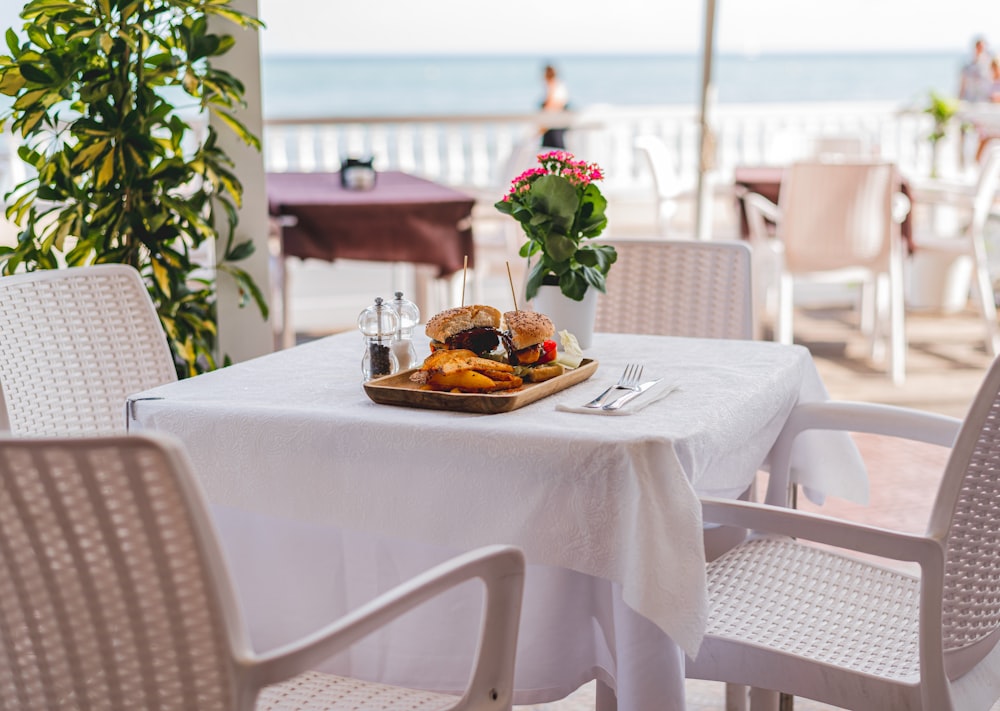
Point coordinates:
[(357, 174)]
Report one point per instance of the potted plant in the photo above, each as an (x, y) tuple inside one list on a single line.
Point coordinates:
[(561, 210), (118, 174), (942, 110)]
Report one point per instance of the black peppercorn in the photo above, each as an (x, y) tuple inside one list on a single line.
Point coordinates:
[(379, 357)]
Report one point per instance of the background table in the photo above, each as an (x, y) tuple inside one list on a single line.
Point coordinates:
[(766, 181), (402, 219), (325, 497)]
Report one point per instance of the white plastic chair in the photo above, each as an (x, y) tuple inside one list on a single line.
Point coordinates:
[(116, 596), (840, 222), (971, 242), (74, 343), (794, 617), (678, 288), (665, 180)]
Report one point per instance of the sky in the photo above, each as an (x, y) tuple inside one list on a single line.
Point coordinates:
[(622, 26), (555, 27)]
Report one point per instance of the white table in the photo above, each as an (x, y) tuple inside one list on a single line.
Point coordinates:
[(324, 497)]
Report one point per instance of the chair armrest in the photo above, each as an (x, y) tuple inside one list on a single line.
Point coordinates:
[(862, 538), (872, 418), (900, 207), (501, 568), (768, 209)]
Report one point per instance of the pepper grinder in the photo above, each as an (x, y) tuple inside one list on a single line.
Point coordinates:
[(402, 345), (378, 324)]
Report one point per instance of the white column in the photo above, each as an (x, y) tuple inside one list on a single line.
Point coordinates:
[(243, 334), (706, 143)]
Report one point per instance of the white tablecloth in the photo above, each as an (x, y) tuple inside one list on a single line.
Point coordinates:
[(292, 441)]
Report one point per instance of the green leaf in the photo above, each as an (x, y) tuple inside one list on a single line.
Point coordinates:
[(240, 130), (35, 75)]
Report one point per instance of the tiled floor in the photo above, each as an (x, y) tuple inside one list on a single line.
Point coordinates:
[(946, 363)]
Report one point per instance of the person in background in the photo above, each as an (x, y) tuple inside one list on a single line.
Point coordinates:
[(992, 94), (556, 99), (976, 79)]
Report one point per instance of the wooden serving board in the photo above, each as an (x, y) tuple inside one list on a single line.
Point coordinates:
[(398, 389)]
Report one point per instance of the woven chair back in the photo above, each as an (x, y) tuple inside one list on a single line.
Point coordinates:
[(74, 343), (107, 599), (678, 288), (968, 509)]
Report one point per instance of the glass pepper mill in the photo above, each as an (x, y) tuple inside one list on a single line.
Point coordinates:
[(402, 345), (378, 324)]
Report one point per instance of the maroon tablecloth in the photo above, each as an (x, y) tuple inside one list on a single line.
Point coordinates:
[(766, 181), (403, 219)]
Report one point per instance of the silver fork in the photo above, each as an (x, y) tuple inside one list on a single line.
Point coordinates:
[(630, 379)]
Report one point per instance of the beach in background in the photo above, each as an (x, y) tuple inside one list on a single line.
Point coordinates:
[(344, 86)]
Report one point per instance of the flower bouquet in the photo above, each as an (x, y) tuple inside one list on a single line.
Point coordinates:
[(560, 210)]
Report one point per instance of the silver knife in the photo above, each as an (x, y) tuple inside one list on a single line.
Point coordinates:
[(628, 397)]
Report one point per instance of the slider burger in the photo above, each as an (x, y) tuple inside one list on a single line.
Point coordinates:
[(461, 370), (474, 328), (529, 345)]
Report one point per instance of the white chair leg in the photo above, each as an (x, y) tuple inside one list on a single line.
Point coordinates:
[(882, 315), (866, 306), (897, 315), (763, 700), (736, 697), (988, 308), (783, 332)]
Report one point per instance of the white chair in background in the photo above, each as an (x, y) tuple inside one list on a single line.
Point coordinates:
[(678, 288), (839, 222), (665, 180), (74, 343), (807, 620), (116, 596), (976, 202)]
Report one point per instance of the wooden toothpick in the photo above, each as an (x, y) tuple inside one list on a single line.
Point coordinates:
[(513, 294), (465, 269)]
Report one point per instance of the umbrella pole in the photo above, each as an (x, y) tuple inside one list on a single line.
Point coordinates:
[(706, 152)]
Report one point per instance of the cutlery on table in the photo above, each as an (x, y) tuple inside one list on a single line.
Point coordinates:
[(628, 381), (628, 397)]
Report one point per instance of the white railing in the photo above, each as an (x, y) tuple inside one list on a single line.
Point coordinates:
[(471, 152)]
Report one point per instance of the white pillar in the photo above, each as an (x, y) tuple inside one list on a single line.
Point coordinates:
[(706, 144), (243, 333)]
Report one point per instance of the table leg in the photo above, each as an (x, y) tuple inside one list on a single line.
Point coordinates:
[(606, 699)]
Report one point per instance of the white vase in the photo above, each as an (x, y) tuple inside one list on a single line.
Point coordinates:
[(577, 317)]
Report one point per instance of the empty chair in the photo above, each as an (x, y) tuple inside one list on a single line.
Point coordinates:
[(660, 163), (970, 242), (840, 222), (74, 343), (116, 596), (678, 288), (808, 620)]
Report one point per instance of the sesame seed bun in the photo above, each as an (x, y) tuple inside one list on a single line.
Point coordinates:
[(446, 324), (528, 328)]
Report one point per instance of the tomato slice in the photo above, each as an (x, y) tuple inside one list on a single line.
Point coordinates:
[(549, 351)]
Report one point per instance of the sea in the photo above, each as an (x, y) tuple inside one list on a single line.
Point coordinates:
[(346, 86)]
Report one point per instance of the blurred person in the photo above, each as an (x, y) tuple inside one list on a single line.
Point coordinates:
[(990, 132), (976, 78), (556, 100)]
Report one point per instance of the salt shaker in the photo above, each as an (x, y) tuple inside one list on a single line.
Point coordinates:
[(402, 344), (378, 324)]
